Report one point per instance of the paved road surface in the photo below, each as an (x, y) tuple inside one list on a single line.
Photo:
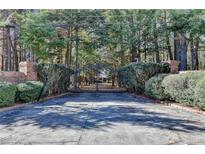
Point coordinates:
[(100, 118)]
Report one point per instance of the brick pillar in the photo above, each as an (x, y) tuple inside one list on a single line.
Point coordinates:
[(27, 68), (174, 64)]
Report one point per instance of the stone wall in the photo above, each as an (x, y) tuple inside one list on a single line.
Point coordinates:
[(12, 77), (28, 69), (26, 73)]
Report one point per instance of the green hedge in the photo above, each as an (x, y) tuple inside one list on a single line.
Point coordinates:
[(29, 91), (153, 87), (7, 94), (181, 87), (58, 77), (58, 81), (200, 93), (187, 88), (134, 75)]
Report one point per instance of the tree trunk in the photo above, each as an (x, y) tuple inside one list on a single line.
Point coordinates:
[(176, 44), (133, 46), (15, 58), (3, 50), (157, 50), (145, 50), (197, 56), (122, 52), (183, 54), (8, 49), (71, 47), (156, 43), (133, 53), (20, 52), (67, 53), (194, 53), (167, 36), (76, 58), (138, 47), (113, 80), (169, 49), (122, 57)]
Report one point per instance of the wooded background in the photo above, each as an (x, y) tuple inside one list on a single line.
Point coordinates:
[(115, 37)]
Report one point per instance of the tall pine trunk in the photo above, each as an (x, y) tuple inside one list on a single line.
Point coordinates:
[(122, 52), (194, 53), (15, 58), (8, 44), (169, 47), (176, 46), (167, 36), (145, 49), (122, 57), (157, 57), (76, 58), (183, 52), (3, 49), (71, 47), (9, 50), (67, 53), (133, 46)]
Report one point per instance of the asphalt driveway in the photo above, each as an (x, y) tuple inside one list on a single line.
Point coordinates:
[(100, 118)]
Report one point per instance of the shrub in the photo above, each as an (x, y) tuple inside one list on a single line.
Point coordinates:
[(153, 87), (134, 75), (181, 87), (200, 93), (29, 91), (58, 77), (7, 94), (165, 68)]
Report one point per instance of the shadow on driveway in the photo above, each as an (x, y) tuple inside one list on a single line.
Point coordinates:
[(56, 113)]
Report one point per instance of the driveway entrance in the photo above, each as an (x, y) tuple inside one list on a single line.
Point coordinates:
[(100, 118)]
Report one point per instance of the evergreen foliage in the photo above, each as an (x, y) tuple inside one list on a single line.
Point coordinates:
[(55, 76), (7, 94), (29, 91), (134, 75)]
